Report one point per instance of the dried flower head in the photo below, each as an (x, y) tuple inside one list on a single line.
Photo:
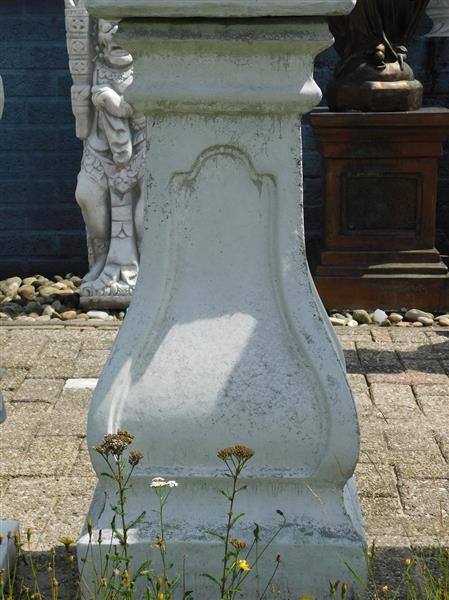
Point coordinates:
[(135, 456), (102, 582), (102, 449), (241, 453), (237, 544), (115, 443)]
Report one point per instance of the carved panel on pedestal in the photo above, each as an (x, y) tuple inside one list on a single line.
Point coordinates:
[(382, 203)]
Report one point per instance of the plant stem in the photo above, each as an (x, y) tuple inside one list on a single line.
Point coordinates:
[(122, 500), (224, 577)]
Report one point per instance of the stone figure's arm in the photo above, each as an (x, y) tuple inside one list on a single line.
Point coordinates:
[(108, 99)]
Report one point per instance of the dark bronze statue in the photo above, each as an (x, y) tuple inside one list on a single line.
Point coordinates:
[(372, 43)]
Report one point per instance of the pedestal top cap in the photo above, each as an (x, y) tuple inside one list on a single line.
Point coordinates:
[(119, 9)]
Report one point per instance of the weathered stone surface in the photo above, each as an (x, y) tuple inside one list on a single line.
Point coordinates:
[(222, 320)]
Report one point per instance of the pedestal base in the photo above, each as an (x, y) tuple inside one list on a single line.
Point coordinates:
[(107, 302), (380, 187), (374, 96), (7, 547), (324, 536)]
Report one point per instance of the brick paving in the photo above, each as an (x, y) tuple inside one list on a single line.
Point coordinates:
[(400, 381)]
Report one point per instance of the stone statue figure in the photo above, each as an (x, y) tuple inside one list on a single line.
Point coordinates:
[(372, 43), (110, 183)]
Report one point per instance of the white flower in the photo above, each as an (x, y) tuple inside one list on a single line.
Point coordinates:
[(158, 482)]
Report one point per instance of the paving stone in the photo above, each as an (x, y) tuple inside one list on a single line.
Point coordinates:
[(68, 416), (375, 481), (39, 390), (357, 381), (424, 366), (436, 409), (402, 437), (45, 457), (54, 369), (99, 340), (385, 456), (364, 404), (428, 470), (395, 402), (387, 507), (22, 421), (4, 484), (408, 378), (431, 390), (82, 466), (424, 497), (17, 355), (27, 501), (12, 378), (90, 364)]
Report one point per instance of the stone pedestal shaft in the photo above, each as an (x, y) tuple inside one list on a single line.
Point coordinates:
[(380, 190), (226, 340)]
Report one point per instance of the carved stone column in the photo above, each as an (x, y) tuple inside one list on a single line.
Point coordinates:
[(226, 340), (438, 11)]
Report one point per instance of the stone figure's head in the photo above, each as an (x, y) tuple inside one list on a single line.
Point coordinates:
[(113, 54)]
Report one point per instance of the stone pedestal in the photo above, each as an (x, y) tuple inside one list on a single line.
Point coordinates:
[(226, 340), (438, 11), (380, 190)]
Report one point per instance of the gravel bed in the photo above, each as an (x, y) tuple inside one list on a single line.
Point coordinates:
[(38, 300)]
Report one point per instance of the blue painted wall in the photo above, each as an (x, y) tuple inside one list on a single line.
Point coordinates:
[(41, 229)]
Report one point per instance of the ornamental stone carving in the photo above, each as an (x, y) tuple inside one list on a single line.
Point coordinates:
[(438, 11), (109, 189), (373, 74)]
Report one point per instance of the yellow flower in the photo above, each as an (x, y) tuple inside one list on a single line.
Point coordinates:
[(306, 598), (408, 562), (160, 596), (243, 565)]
